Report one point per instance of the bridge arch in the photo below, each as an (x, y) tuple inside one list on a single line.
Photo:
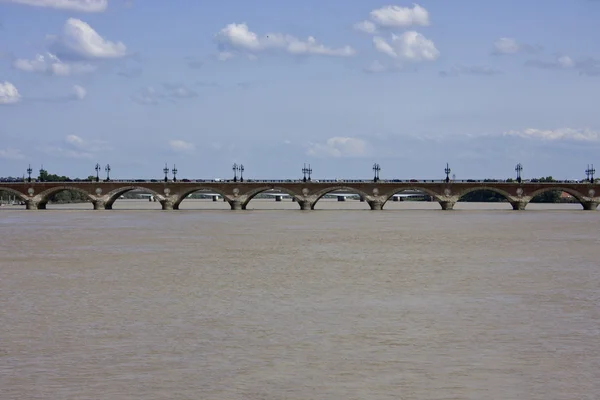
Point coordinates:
[(46, 194), (253, 193), (114, 195), (323, 192), (507, 196), (20, 195), (186, 193), (577, 195), (392, 192)]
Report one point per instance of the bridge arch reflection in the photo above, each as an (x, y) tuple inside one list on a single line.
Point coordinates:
[(253, 193), (388, 195), (184, 195), (577, 195), (324, 192), (112, 196)]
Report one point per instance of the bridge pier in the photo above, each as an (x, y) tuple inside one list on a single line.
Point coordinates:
[(169, 205), (590, 205), (518, 205), (447, 205), (306, 205), (236, 205), (99, 205), (375, 205), (32, 205)]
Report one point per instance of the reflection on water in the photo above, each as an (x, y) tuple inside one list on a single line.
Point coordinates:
[(413, 304)]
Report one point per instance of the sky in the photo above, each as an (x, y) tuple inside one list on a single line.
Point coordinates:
[(271, 84)]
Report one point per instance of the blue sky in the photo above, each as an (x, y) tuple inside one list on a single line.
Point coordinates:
[(271, 84)]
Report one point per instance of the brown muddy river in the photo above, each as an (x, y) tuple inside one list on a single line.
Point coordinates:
[(407, 303)]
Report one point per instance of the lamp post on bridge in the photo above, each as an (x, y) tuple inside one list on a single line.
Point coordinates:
[(29, 171), (447, 170), (42, 173), (241, 172), (174, 170), (376, 169), (589, 172), (97, 172), (235, 170), (166, 172), (107, 169), (519, 168), (306, 171)]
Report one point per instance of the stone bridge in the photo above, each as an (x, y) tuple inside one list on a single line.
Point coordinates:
[(102, 195)]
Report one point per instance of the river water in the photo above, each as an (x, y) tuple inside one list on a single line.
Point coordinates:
[(407, 303)]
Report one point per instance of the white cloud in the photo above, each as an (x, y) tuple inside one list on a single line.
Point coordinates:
[(561, 62), (51, 64), (397, 17), (565, 62), (11, 154), (178, 91), (409, 46), (81, 40), (580, 135), (339, 147), (225, 55), (75, 146), (376, 67), (511, 46), (506, 46), (9, 93), (74, 140), (79, 92), (69, 153), (239, 37), (181, 146), (168, 92), (366, 27), (472, 70), (89, 6), (147, 95)]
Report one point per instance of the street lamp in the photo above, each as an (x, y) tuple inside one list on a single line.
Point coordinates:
[(447, 170), (376, 169), (107, 169), (241, 172), (29, 171), (235, 170), (97, 172), (174, 170), (589, 172), (166, 172), (519, 168), (306, 171), (42, 173)]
